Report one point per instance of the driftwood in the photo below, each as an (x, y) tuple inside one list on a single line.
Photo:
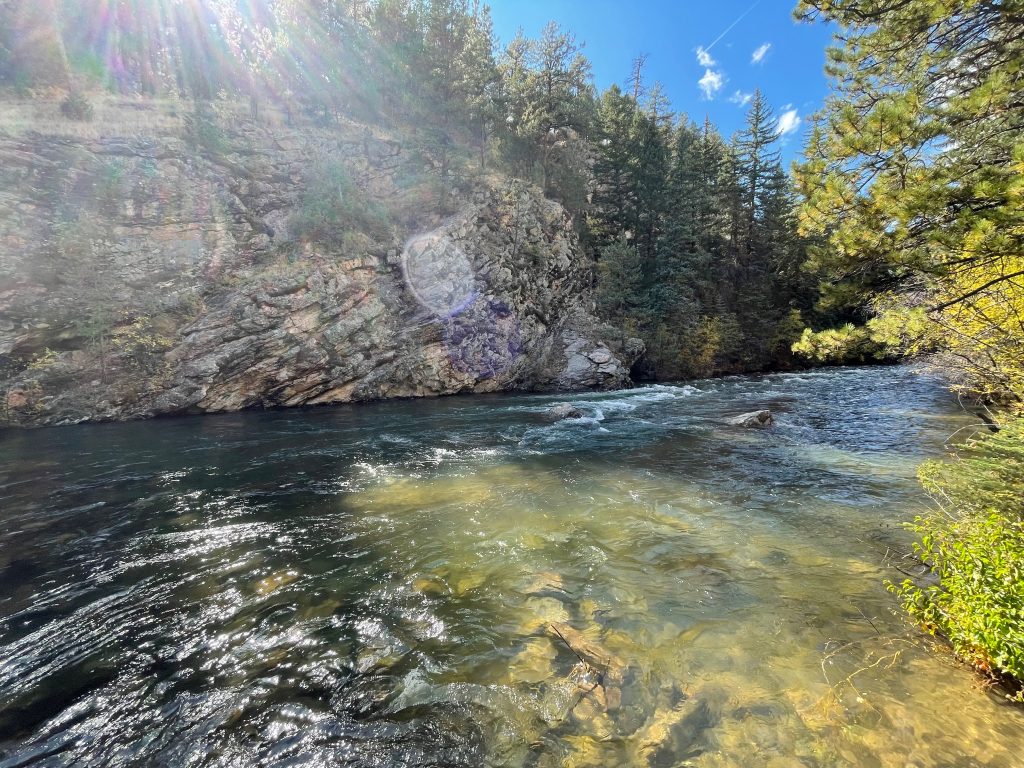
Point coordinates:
[(598, 671)]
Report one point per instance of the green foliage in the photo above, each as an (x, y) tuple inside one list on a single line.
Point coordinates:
[(76, 106), (619, 281), (332, 205), (203, 129), (713, 281), (846, 345), (140, 343), (913, 177), (544, 110), (975, 544), (696, 348), (43, 361), (787, 332)]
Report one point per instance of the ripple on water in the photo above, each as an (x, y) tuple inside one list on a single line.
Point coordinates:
[(455, 582)]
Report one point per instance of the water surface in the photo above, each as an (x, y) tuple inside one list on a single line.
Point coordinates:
[(454, 582)]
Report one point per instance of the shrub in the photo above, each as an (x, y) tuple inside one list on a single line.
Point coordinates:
[(140, 343), (203, 130), (76, 106), (974, 543), (332, 205), (42, 361), (838, 346)]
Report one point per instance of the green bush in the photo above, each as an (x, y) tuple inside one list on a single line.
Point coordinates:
[(332, 205), (838, 346), (202, 128), (140, 342), (76, 106), (974, 543), (42, 361)]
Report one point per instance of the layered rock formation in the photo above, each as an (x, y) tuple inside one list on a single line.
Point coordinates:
[(150, 275)]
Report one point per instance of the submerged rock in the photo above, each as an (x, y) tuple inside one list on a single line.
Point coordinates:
[(534, 663), (275, 581), (762, 418), (561, 411), (545, 581)]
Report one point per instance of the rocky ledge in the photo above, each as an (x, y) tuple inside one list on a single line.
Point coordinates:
[(182, 288)]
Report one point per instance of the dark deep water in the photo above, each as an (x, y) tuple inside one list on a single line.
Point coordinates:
[(376, 584)]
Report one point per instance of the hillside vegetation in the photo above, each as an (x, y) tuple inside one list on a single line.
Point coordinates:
[(693, 236)]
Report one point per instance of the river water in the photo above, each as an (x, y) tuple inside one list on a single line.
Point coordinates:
[(455, 582)]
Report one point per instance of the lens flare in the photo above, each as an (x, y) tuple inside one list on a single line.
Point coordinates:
[(439, 274)]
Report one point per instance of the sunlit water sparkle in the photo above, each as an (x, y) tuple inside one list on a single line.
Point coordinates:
[(377, 584)]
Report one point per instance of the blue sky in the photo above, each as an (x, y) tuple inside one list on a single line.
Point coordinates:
[(702, 52)]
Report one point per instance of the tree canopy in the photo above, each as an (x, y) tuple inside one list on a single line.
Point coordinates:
[(914, 175)]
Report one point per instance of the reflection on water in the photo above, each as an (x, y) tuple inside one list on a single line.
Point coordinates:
[(456, 582)]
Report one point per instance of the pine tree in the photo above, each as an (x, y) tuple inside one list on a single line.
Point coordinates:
[(913, 178), (757, 160), (560, 96), (477, 76), (620, 283), (614, 205), (650, 182), (682, 279)]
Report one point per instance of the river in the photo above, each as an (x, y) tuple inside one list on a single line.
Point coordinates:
[(455, 582)]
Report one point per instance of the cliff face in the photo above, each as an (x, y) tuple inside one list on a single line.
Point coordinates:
[(173, 273)]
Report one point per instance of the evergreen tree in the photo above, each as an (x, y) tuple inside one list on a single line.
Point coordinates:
[(913, 178), (477, 77), (614, 199), (620, 283), (757, 160), (561, 96), (650, 182)]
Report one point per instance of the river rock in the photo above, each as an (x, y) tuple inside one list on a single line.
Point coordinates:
[(561, 411), (275, 581), (762, 418)]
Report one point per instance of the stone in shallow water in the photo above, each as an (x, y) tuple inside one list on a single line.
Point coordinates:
[(762, 418), (560, 411), (275, 581), (541, 611), (429, 587), (535, 663), (468, 582), (321, 610), (545, 581)]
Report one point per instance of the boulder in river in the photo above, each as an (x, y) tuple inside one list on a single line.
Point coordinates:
[(762, 418), (560, 411)]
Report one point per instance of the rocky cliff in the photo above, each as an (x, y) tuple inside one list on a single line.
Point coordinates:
[(213, 266)]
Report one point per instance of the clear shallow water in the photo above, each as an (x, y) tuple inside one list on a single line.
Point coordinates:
[(454, 582)]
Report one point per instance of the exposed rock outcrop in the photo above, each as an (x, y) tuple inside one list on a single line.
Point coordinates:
[(562, 411), (140, 277), (762, 418)]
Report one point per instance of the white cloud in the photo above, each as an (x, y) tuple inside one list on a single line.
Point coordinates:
[(789, 121), (759, 53), (704, 58), (741, 99), (711, 83)]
